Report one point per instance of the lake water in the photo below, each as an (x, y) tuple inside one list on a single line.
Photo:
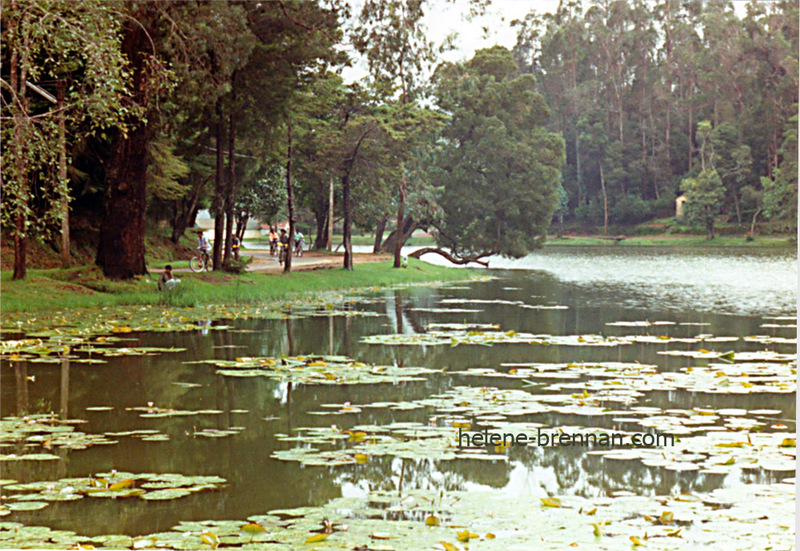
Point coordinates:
[(577, 294)]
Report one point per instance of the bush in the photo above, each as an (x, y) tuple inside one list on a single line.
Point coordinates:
[(631, 210), (239, 266), (590, 214)]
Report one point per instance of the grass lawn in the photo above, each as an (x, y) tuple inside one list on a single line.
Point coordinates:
[(57, 289)]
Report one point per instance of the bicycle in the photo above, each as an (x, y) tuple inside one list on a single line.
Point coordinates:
[(200, 262), (298, 247), (283, 251)]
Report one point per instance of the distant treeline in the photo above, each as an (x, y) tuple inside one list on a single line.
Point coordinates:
[(631, 85)]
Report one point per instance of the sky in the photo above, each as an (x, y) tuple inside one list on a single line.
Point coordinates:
[(443, 18), (494, 27)]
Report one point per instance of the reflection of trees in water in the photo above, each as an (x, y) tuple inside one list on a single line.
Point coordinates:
[(383, 474), (258, 483)]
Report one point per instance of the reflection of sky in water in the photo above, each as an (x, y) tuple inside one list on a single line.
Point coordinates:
[(733, 281)]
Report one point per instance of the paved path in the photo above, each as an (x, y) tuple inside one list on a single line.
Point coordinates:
[(311, 260)]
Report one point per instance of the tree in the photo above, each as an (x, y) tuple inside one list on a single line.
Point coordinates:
[(76, 46), (780, 191), (498, 168), (395, 43), (704, 195), (205, 45), (261, 195)]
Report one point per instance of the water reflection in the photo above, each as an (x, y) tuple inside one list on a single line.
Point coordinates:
[(597, 289)]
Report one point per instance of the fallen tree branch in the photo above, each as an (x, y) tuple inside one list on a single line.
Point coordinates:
[(466, 260)]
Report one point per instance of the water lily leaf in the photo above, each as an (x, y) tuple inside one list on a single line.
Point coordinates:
[(317, 538), (432, 520), (26, 505), (121, 485), (210, 538), (253, 528), (551, 501)]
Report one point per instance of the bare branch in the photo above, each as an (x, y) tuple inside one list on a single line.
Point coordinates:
[(455, 260)]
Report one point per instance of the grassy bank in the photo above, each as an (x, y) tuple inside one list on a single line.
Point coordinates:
[(48, 290), (674, 241)]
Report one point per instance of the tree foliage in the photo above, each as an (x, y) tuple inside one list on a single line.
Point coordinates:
[(498, 167)]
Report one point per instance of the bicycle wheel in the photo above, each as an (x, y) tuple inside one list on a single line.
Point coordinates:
[(196, 264)]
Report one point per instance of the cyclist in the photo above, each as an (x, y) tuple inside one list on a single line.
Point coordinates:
[(273, 241), (299, 243), (203, 246), (235, 247), (284, 246)]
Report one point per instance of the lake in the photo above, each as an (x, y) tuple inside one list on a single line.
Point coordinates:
[(355, 401)]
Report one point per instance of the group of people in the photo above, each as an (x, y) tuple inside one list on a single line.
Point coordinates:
[(204, 247), (167, 281), (279, 244)]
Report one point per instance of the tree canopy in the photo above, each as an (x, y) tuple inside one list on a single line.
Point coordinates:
[(125, 115)]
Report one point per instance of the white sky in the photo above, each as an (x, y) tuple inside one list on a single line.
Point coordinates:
[(443, 18)]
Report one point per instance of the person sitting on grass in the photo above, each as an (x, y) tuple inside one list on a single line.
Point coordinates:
[(166, 282)]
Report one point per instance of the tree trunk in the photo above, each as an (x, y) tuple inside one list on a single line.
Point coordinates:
[(185, 213), (461, 261), (605, 201), (346, 238), (753, 224), (379, 229), (230, 196), (20, 126), (329, 226), (62, 177), (709, 227), (121, 251), (219, 193), (736, 204), (398, 245), (287, 265), (321, 227), (242, 227), (578, 165), (409, 225)]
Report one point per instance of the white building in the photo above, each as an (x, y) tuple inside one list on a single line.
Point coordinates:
[(205, 222)]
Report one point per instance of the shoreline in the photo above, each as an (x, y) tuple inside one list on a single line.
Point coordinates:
[(85, 287)]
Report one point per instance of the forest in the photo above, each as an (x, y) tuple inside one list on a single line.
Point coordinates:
[(120, 116)]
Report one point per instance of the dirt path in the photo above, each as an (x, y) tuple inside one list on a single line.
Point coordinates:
[(311, 260)]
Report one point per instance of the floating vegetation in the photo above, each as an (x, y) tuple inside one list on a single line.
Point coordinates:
[(482, 519), (114, 485), (317, 370), (455, 337), (517, 303), (693, 397), (644, 323), (44, 431), (151, 411)]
